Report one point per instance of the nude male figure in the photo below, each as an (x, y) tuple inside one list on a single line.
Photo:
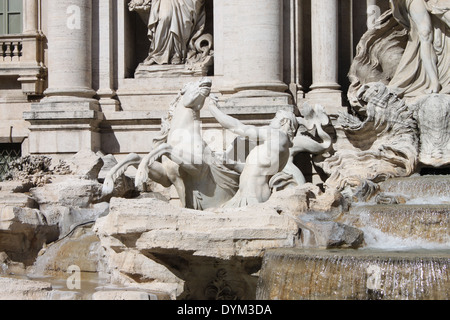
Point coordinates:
[(266, 159)]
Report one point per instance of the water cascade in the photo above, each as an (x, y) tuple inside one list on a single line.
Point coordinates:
[(406, 255), (292, 274)]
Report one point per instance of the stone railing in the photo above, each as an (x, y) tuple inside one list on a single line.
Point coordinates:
[(21, 56), (10, 49)]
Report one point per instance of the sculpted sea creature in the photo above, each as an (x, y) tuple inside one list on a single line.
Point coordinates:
[(384, 143)]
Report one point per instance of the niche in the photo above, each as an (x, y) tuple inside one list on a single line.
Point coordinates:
[(138, 63)]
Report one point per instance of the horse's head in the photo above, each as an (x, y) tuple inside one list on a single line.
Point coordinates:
[(195, 93)]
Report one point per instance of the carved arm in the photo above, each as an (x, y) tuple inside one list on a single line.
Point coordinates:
[(233, 124)]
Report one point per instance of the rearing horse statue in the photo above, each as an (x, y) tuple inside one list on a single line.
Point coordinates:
[(180, 157)]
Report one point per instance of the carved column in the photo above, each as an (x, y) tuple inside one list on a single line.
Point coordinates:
[(258, 42), (105, 62), (324, 32), (70, 49), (296, 57), (67, 119)]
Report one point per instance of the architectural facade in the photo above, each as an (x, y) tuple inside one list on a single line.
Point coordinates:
[(78, 74)]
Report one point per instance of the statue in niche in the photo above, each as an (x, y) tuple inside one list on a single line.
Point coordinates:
[(176, 30), (206, 179), (424, 67)]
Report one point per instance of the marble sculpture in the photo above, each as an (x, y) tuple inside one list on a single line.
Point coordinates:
[(205, 178)]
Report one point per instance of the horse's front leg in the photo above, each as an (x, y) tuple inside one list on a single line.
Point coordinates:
[(149, 167), (174, 175), (118, 170)]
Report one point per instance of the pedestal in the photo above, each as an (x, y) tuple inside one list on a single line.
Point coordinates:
[(64, 127)]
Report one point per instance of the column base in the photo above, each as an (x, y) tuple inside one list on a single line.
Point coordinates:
[(64, 127), (69, 93), (330, 99), (259, 101), (107, 101)]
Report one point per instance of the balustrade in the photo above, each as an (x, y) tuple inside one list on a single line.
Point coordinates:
[(21, 56), (10, 49)]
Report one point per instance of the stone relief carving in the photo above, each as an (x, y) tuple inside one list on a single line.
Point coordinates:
[(178, 42), (377, 55), (182, 158), (432, 113), (207, 179)]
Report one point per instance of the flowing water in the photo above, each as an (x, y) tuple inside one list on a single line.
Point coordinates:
[(406, 254), (402, 226), (294, 274)]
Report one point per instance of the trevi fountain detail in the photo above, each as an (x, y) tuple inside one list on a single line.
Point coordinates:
[(190, 221)]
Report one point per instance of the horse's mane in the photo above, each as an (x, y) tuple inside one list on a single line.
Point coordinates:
[(166, 122)]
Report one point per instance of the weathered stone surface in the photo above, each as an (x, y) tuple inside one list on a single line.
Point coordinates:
[(384, 144), (23, 232), (32, 170), (18, 289), (7, 266), (80, 249), (17, 200), (150, 223), (432, 113), (68, 191), (231, 240), (186, 252), (132, 269), (306, 198), (86, 164), (328, 234), (124, 295), (15, 186), (75, 216)]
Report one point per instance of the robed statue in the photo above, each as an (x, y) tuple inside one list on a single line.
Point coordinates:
[(425, 65), (176, 30)]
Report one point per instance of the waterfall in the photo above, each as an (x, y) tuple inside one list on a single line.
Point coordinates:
[(406, 254), (402, 226), (353, 275)]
